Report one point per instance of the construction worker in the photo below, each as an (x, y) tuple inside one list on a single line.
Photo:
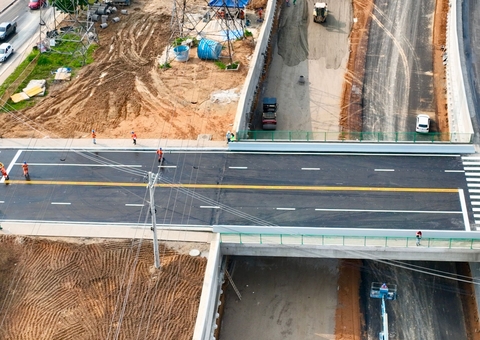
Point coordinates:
[(134, 138), (4, 173), (94, 137), (228, 136), (419, 237), (160, 155), (25, 169)]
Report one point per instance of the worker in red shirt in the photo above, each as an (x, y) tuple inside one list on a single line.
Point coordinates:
[(160, 155), (94, 137), (419, 237), (4, 173), (134, 137)]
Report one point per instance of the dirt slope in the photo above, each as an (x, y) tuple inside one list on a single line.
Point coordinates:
[(125, 90), (104, 290)]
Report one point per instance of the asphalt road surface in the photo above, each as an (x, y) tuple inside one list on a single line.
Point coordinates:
[(319, 52), (429, 302), (398, 82), (373, 191)]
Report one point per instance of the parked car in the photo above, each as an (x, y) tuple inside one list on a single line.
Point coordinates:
[(36, 4), (423, 124), (5, 51)]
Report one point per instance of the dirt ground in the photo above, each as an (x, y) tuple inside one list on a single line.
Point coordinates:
[(124, 90), (351, 114), (96, 289)]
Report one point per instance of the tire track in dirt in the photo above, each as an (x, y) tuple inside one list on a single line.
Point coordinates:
[(73, 290)]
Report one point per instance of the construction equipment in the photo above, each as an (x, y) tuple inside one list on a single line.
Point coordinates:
[(269, 115), (383, 291), (320, 12)]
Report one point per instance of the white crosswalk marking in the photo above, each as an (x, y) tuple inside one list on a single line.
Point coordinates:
[(471, 166)]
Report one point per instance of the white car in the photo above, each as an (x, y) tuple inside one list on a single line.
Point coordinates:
[(5, 51), (423, 124)]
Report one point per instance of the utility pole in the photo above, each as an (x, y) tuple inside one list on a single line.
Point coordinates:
[(152, 180)]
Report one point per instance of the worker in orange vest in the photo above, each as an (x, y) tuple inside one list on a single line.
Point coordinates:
[(134, 137), (160, 155), (4, 173)]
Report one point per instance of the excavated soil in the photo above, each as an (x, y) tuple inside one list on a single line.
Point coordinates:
[(126, 90), (97, 290)]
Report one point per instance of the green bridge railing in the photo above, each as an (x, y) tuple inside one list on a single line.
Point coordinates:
[(350, 241), (291, 136)]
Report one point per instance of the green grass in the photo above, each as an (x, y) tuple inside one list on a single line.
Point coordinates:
[(46, 63), (221, 65)]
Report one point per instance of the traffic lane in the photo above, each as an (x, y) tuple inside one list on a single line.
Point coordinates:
[(386, 210), (348, 170), (106, 204), (392, 93), (249, 168), (123, 166)]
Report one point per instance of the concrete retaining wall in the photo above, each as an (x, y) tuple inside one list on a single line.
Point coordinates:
[(204, 325), (458, 108), (251, 85)]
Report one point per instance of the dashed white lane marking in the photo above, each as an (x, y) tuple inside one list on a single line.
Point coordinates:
[(2, 201), (311, 169), (473, 179), (290, 209), (238, 167), (133, 205), (209, 207), (167, 166), (61, 203), (384, 169), (456, 171), (395, 211)]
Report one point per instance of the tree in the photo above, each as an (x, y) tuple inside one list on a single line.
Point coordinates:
[(68, 6)]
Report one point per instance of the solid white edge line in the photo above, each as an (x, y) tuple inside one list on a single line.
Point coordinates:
[(384, 170), (12, 163), (285, 209), (315, 169), (61, 203), (238, 167), (454, 170), (394, 211), (133, 205), (209, 207), (90, 165), (463, 204)]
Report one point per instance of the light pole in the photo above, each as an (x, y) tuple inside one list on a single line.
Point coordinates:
[(152, 179)]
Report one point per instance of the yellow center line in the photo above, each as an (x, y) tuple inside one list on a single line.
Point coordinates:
[(239, 186)]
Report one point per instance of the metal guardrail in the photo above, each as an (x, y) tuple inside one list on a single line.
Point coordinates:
[(309, 136), (349, 241)]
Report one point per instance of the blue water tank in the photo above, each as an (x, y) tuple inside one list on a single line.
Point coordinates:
[(209, 49)]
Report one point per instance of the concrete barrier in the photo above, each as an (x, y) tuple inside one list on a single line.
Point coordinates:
[(444, 148), (250, 87), (204, 325), (458, 108)]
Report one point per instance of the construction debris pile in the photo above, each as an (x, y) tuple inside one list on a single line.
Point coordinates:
[(34, 88)]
